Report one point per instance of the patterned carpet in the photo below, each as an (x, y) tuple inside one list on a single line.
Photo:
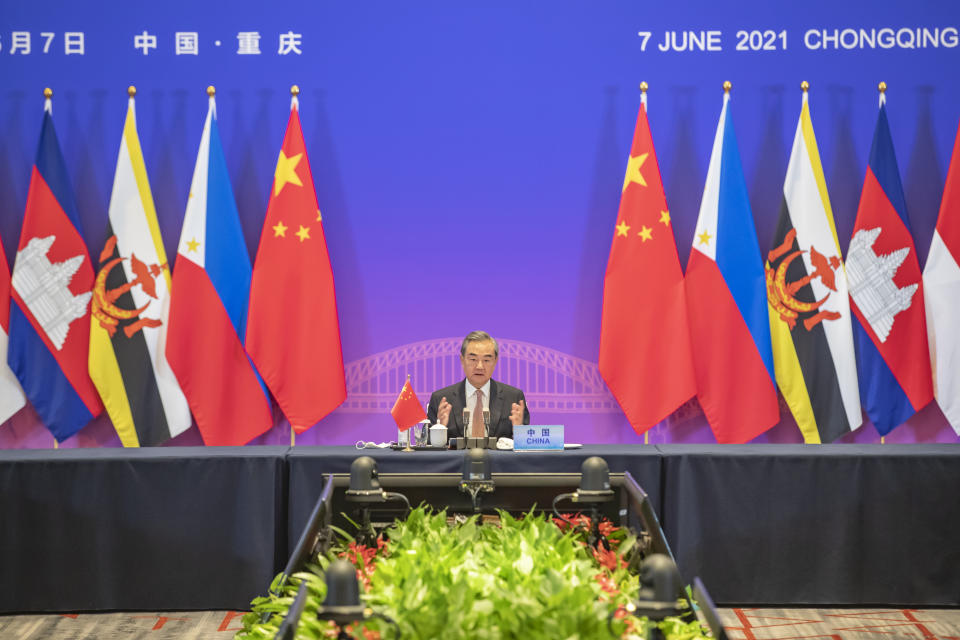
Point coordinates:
[(842, 624), (741, 624)]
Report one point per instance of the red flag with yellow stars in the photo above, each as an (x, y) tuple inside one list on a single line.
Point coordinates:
[(407, 410), (645, 353), (293, 335)]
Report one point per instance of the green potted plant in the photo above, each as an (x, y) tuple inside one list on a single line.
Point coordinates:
[(527, 577)]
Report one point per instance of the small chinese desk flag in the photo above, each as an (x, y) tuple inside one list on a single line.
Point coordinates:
[(407, 410)]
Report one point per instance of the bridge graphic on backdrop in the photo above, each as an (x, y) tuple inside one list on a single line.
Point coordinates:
[(552, 381)]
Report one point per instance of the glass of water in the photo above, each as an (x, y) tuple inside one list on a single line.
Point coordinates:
[(420, 434)]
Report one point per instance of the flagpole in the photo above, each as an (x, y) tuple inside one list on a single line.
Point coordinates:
[(408, 447), (882, 88), (48, 107), (643, 94), (294, 104)]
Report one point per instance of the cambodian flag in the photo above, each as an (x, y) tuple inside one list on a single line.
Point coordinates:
[(51, 285), (886, 294), (208, 309), (727, 302)]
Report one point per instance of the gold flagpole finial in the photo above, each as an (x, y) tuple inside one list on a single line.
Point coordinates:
[(727, 86), (131, 91), (644, 86), (294, 91), (211, 91), (805, 86), (48, 93), (882, 87)]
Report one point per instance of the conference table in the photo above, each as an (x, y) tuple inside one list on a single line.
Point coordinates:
[(179, 528)]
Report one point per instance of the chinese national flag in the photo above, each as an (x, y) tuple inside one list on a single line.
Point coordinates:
[(407, 410), (293, 335), (644, 341)]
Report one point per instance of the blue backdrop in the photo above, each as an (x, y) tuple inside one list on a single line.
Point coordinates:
[(468, 155)]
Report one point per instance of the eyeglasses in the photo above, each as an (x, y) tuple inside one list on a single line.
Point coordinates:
[(486, 361)]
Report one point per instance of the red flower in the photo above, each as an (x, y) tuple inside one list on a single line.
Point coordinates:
[(608, 558), (606, 583), (359, 554)]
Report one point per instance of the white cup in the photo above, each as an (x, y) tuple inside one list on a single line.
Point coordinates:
[(438, 435)]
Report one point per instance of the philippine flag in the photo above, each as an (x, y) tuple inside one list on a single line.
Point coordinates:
[(51, 285), (727, 302), (886, 294), (208, 309)]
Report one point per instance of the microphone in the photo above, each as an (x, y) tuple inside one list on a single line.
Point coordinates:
[(593, 491), (342, 604), (476, 477), (486, 421), (466, 422)]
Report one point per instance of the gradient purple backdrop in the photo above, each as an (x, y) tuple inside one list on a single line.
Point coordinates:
[(468, 156)]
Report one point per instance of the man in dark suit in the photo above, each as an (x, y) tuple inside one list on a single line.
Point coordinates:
[(476, 393)]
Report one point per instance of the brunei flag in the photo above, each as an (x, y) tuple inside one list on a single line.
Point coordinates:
[(807, 299), (729, 327), (130, 306)]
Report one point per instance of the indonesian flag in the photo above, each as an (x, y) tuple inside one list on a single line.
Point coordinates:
[(11, 394), (644, 339), (941, 293), (293, 334), (407, 410)]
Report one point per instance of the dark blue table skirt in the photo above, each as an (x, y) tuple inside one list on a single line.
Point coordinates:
[(833, 524), (150, 529), (207, 528)]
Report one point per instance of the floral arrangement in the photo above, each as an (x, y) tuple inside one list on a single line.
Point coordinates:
[(528, 577)]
